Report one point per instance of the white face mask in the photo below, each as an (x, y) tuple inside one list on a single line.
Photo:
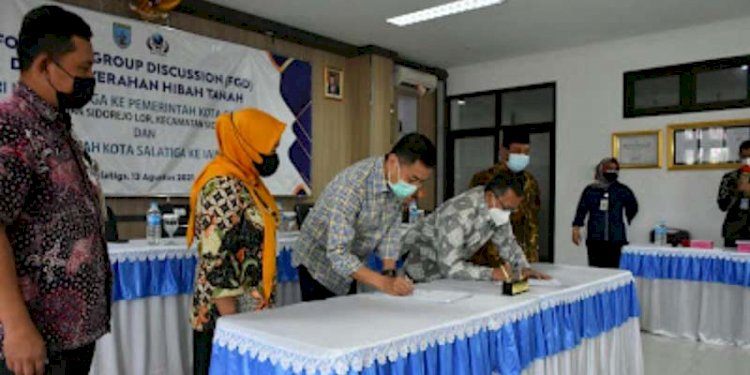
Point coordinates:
[(499, 216), (746, 161), (401, 188), (518, 162)]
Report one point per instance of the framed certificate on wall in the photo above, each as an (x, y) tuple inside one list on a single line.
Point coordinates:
[(707, 145), (638, 149)]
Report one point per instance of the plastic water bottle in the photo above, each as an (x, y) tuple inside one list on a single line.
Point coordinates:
[(153, 224), (413, 212), (660, 234), (657, 234), (665, 232)]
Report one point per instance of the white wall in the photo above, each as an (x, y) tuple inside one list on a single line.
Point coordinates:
[(589, 108)]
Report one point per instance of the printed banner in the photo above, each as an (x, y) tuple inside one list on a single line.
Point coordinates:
[(150, 126)]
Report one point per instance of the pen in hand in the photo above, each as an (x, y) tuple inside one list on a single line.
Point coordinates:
[(505, 273)]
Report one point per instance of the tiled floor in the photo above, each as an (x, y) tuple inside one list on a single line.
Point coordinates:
[(666, 356)]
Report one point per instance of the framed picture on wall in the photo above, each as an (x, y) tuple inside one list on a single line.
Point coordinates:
[(333, 83), (707, 145), (638, 149)]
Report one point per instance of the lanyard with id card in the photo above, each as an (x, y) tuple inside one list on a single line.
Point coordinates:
[(745, 204), (604, 203)]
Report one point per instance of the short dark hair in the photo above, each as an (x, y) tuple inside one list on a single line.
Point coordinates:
[(515, 135), (49, 29), (745, 146), (413, 147), (505, 180)]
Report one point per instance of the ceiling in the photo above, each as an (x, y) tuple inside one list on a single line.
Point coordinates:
[(518, 27)]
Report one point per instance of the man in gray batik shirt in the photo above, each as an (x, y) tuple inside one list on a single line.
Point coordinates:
[(440, 245)]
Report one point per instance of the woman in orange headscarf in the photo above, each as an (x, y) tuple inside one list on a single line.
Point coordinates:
[(234, 219)]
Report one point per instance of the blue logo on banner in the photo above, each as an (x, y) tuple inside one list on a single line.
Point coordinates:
[(121, 35), (157, 44)]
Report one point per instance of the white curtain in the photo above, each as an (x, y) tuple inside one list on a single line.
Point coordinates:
[(710, 312), (617, 352), (150, 336), (287, 294)]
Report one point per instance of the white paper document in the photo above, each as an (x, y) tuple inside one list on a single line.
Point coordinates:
[(439, 296), (432, 296), (540, 282)]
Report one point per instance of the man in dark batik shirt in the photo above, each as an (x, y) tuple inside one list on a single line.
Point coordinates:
[(734, 199), (514, 156), (55, 278)]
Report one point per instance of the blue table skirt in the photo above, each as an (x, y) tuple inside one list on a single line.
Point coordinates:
[(508, 350), (703, 269), (287, 273), (172, 276), (150, 278)]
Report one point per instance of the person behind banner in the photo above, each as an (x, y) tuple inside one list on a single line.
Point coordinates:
[(234, 218), (440, 246), (55, 275), (358, 212)]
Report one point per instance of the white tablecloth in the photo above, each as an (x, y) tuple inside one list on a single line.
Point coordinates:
[(693, 293), (153, 335), (354, 332)]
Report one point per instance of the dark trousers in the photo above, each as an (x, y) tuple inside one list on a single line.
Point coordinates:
[(67, 362), (604, 254), (312, 290), (202, 351)]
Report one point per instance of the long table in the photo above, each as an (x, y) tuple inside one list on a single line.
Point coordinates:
[(152, 295), (692, 293), (588, 325)]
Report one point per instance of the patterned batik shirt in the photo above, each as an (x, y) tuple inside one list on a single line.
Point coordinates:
[(525, 219), (355, 214), (229, 229), (51, 207), (440, 245)]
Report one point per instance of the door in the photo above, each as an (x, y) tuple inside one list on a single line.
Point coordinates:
[(474, 136)]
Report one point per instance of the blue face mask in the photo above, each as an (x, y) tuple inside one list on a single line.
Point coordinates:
[(518, 162), (401, 189)]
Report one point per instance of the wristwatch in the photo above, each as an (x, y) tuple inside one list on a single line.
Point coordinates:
[(389, 273)]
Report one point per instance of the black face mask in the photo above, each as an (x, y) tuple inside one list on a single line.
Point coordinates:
[(269, 165), (83, 91), (610, 176)]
